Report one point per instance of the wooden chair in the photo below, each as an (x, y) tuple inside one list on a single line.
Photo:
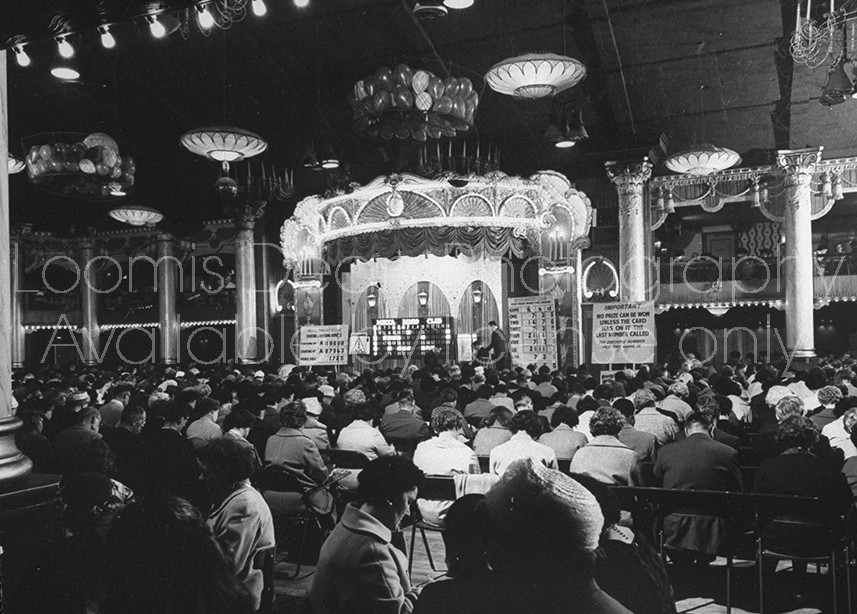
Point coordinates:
[(484, 464), (435, 488), (344, 459)]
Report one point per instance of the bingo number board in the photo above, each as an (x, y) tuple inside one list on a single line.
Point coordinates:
[(532, 331), (404, 337)]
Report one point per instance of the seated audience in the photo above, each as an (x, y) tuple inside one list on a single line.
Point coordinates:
[(644, 444), (828, 397), (359, 569), (313, 428), (493, 431), (240, 519), (650, 420), (526, 428), (361, 436), (124, 441), (204, 430), (404, 424), (605, 458), (72, 441), (35, 446), (563, 439), (444, 454)]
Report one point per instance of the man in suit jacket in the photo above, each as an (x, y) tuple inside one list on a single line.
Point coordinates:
[(643, 443), (696, 463), (499, 353)]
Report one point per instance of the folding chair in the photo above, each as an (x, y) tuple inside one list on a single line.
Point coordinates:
[(435, 488)]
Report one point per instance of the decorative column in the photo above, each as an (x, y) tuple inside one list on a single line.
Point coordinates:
[(168, 331), (17, 328), (246, 346), (799, 166), (13, 464), (630, 179), (89, 267)]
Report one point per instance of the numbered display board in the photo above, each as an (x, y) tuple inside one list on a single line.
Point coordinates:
[(532, 331), (412, 337), (324, 345)]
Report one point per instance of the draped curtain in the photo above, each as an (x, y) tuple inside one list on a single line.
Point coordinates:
[(473, 317)]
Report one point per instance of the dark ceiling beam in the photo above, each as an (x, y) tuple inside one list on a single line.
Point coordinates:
[(781, 115), (696, 56)]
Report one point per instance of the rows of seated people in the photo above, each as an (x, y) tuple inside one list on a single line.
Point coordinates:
[(157, 467)]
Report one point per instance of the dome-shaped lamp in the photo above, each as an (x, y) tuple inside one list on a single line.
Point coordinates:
[(701, 160), (224, 144), (136, 215), (535, 75)]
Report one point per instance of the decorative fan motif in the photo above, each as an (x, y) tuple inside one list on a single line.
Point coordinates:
[(471, 205), (517, 206), (416, 206), (339, 219), (600, 280)]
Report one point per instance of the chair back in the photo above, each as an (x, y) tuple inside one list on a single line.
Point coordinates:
[(345, 459), (277, 478), (564, 465), (438, 488), (405, 447), (484, 464)]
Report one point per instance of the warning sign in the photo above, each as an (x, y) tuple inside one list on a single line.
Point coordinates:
[(324, 345), (623, 333), (358, 344)]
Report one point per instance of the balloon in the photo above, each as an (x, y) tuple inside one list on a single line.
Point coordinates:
[(420, 134), (367, 106), (474, 96), (403, 98), (434, 132), (46, 152), (385, 77), (458, 107), (72, 166), (102, 169), (403, 75), (443, 105), (450, 87), (55, 165), (423, 101), (465, 86), (381, 101), (386, 131), (420, 81), (402, 132), (370, 84), (359, 90), (435, 88)]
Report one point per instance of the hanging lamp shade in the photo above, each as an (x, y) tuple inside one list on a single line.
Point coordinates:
[(136, 215), (838, 86), (16, 165), (223, 143), (701, 160), (535, 75)]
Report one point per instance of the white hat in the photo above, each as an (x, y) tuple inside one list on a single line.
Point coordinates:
[(166, 384), (180, 374), (259, 374), (326, 390), (312, 405)]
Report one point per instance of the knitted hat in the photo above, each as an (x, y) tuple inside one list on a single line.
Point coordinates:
[(546, 505), (78, 397), (355, 395)]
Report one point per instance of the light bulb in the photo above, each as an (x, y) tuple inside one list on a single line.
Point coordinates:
[(205, 18), (65, 48), (65, 73), (22, 57), (458, 4), (107, 40), (259, 8), (157, 28), (301, 4)]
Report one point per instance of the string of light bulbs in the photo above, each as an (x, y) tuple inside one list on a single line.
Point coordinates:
[(209, 14)]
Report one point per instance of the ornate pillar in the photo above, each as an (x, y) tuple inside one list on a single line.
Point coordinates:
[(13, 464), (17, 328), (168, 323), (246, 346), (799, 166), (89, 267), (630, 179)]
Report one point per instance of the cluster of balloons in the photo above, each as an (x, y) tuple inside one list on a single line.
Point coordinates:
[(96, 158), (412, 104)]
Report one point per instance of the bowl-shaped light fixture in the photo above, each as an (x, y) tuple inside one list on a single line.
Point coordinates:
[(535, 75), (16, 165), (224, 144), (701, 160), (136, 215)]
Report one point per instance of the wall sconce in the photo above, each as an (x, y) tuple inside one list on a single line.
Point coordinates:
[(477, 296), (372, 299), (422, 297)]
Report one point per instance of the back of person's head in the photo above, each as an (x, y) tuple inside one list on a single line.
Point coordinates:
[(679, 389), (464, 536), (174, 412), (775, 393), (625, 407), (447, 419), (485, 391), (293, 415), (386, 478), (405, 396), (564, 415), (119, 389), (522, 399), (163, 558), (526, 421), (499, 415), (796, 431), (448, 396), (229, 459), (644, 398), (606, 421), (88, 415), (238, 419), (788, 406), (33, 421), (829, 395), (132, 415), (698, 422), (364, 411), (90, 502), (603, 391), (541, 520), (843, 405), (207, 405)]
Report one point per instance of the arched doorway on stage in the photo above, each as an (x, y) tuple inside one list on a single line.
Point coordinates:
[(424, 299), (477, 307)]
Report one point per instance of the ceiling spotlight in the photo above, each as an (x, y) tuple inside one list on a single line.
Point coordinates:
[(458, 4), (22, 57), (259, 8), (65, 73), (301, 4), (156, 27), (65, 48), (107, 40), (206, 20)]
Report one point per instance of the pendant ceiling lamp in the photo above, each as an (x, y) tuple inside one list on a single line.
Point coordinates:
[(16, 165), (535, 75), (224, 144), (701, 160), (136, 215)]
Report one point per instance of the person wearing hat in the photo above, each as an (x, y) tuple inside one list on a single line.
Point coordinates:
[(313, 428), (542, 528)]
